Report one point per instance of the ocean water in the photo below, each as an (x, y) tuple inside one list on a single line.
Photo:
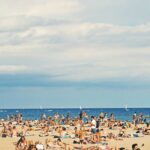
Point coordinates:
[(34, 114)]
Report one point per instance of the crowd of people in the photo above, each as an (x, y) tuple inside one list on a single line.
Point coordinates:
[(83, 132)]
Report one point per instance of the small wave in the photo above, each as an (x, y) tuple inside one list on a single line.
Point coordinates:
[(50, 110)]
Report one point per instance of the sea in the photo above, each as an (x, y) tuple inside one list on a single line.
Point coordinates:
[(35, 114)]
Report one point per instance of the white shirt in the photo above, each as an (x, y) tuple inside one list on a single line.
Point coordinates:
[(93, 124)]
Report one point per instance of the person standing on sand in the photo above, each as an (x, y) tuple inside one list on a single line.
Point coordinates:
[(112, 117), (101, 116), (105, 117), (140, 117), (93, 124), (81, 114), (134, 117)]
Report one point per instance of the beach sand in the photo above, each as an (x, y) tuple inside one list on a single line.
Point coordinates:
[(8, 143)]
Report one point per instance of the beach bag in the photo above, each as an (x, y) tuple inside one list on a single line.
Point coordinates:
[(4, 135)]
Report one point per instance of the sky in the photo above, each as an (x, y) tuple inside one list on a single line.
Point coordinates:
[(72, 53)]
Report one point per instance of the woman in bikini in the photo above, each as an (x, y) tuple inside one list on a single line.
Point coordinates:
[(22, 144)]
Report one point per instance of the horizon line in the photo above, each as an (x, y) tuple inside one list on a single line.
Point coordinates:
[(79, 108)]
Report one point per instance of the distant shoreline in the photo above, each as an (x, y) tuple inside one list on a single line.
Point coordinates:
[(79, 108)]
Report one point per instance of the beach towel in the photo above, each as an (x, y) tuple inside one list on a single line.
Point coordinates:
[(39, 146)]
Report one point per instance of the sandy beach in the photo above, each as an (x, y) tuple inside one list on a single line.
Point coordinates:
[(7, 143), (74, 134)]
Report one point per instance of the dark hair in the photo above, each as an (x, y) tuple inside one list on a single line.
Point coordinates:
[(63, 128), (20, 140), (59, 139), (75, 128), (121, 148), (134, 145)]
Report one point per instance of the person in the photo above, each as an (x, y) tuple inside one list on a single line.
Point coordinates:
[(112, 117), (81, 114), (63, 133), (76, 132), (93, 124), (8, 117), (21, 117), (135, 147), (67, 117), (105, 117), (14, 132), (103, 134), (63, 145), (21, 144), (101, 116), (98, 123), (122, 148), (96, 137), (134, 117), (140, 117), (43, 117)]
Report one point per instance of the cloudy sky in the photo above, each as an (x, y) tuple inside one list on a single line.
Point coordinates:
[(67, 53)]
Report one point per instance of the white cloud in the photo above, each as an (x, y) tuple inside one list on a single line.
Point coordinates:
[(50, 38), (22, 15), (38, 7), (79, 33), (11, 69), (81, 55)]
